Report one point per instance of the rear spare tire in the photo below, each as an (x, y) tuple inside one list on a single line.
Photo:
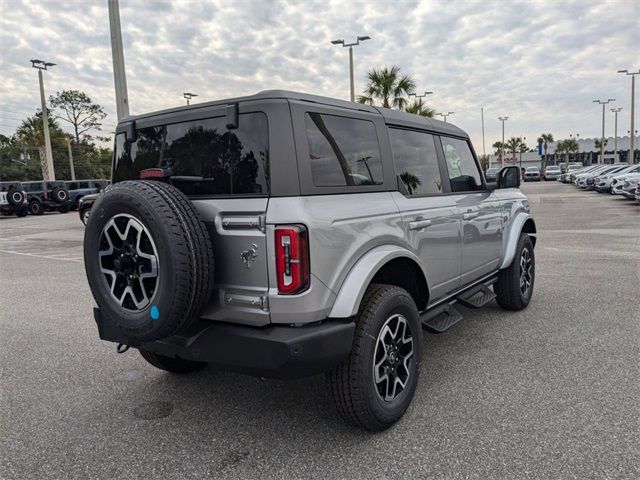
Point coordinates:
[(59, 195), (148, 259), (15, 197)]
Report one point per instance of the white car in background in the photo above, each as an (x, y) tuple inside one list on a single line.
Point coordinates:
[(603, 182), (626, 185)]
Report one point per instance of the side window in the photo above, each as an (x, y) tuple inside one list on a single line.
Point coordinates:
[(464, 174), (343, 151), (414, 155), (72, 186)]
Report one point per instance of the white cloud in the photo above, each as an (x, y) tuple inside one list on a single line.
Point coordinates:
[(540, 63)]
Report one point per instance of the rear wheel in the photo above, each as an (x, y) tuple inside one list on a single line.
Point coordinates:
[(22, 210), (64, 208), (375, 384), (169, 364), (514, 287), (36, 208)]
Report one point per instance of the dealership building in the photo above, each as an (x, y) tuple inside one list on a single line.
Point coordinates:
[(587, 154)]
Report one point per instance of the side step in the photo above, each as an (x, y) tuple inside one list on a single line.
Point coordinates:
[(477, 297), (441, 318)]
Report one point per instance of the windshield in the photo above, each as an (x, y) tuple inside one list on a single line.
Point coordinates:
[(532, 169)]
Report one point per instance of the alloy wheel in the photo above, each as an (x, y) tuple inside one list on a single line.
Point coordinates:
[(393, 357), (129, 261), (526, 276)]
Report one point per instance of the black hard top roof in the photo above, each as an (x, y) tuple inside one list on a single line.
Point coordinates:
[(393, 117)]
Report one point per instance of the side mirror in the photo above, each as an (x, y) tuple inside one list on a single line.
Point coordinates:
[(509, 177)]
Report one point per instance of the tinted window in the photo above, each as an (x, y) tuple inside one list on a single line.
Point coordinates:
[(229, 161), (414, 155), (463, 171), (343, 151), (72, 186)]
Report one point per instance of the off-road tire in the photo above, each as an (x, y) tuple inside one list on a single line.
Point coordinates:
[(507, 289), (64, 208), (59, 195), (184, 256), (351, 384), (84, 218), (169, 364), (36, 208), (22, 210), (15, 197)]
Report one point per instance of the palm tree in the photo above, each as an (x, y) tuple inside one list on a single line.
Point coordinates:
[(545, 139), (420, 108), (514, 144), (387, 86), (499, 148), (571, 147), (597, 142)]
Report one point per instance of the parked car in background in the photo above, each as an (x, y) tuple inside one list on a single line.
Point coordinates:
[(624, 183), (490, 174), (602, 183), (552, 172), (566, 175), (84, 206), (13, 199), (44, 196), (589, 180), (532, 174), (80, 188), (638, 194)]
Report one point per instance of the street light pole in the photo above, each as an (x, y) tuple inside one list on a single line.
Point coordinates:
[(603, 103), (445, 115), (189, 96), (632, 149), (48, 172), (117, 53), (359, 39), (615, 137), (502, 119), (420, 96)]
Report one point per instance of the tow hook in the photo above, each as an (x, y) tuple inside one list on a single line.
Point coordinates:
[(121, 348)]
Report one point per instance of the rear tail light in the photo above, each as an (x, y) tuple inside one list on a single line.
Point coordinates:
[(151, 173), (292, 259)]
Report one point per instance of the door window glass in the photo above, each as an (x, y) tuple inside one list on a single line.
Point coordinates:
[(414, 155), (464, 174)]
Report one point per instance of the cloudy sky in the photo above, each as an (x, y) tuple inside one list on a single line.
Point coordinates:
[(539, 62)]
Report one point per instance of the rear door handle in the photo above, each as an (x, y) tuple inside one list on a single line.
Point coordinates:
[(469, 215), (419, 224)]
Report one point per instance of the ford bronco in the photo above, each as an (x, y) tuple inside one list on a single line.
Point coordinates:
[(286, 234)]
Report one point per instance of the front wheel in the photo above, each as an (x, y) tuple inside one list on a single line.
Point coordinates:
[(36, 208), (514, 287), (64, 208), (170, 364), (375, 384), (22, 210)]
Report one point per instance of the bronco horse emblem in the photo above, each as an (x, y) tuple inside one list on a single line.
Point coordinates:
[(249, 256)]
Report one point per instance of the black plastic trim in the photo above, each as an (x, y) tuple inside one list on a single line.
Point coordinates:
[(273, 351)]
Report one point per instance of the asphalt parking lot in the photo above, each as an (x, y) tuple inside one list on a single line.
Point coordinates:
[(549, 392)]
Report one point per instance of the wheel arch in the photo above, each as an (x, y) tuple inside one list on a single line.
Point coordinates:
[(523, 223), (384, 264)]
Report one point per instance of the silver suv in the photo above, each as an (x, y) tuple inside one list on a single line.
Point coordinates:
[(285, 234)]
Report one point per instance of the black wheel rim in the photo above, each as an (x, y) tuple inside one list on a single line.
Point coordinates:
[(526, 272), (129, 261), (393, 358)]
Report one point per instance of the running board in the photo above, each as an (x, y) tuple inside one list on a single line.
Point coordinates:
[(478, 296), (441, 318)]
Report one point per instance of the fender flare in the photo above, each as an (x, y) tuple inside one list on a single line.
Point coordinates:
[(359, 277), (511, 241)]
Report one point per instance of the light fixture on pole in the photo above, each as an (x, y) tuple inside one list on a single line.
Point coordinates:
[(502, 119), (359, 39), (632, 149), (603, 103), (615, 134), (48, 173), (420, 96), (445, 115), (189, 96)]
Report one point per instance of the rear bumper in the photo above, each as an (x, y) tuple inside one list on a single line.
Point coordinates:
[(273, 351)]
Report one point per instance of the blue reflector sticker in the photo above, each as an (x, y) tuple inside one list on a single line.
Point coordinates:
[(155, 313)]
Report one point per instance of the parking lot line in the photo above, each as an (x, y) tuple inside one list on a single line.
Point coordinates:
[(73, 259)]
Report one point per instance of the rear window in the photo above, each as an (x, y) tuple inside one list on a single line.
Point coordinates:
[(214, 159), (343, 151)]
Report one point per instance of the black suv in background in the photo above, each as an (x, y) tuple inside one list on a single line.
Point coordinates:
[(13, 199), (47, 196)]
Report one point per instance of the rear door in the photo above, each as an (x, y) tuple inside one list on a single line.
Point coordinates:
[(479, 207), (225, 172), (430, 216)]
